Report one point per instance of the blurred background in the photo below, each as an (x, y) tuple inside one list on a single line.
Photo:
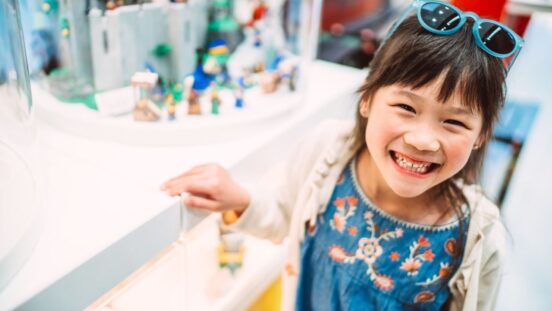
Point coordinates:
[(74, 152)]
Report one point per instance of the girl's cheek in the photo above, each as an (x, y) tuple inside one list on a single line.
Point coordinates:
[(459, 150)]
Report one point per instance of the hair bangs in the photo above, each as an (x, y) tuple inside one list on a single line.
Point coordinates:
[(414, 57)]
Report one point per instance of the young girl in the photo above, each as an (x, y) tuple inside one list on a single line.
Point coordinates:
[(383, 214)]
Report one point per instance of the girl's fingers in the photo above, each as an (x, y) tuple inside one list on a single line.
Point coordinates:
[(201, 203), (186, 174), (198, 186), (195, 171)]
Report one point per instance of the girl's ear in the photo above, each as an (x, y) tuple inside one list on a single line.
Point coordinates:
[(479, 142), (364, 108)]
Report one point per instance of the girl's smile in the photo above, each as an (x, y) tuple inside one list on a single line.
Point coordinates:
[(412, 166), (416, 142)]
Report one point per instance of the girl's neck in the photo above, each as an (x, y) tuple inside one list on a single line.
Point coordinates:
[(423, 209)]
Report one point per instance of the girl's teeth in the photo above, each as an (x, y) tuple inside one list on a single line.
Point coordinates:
[(415, 167)]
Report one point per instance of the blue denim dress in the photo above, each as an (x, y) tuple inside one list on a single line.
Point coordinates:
[(358, 257)]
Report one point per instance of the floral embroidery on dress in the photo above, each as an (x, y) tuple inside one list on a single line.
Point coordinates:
[(414, 261), (345, 208), (450, 246), (369, 249), (425, 296), (404, 263), (444, 270), (395, 256)]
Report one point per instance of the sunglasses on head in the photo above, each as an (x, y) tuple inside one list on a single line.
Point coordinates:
[(442, 18)]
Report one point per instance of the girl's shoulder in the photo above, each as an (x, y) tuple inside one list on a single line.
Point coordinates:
[(485, 220), (480, 205)]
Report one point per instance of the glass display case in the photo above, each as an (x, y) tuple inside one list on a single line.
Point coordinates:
[(224, 68), (19, 206)]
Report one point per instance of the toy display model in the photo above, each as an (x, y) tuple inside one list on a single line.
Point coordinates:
[(145, 109), (217, 63)]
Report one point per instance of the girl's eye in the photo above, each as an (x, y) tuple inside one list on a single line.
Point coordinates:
[(456, 123), (406, 107)]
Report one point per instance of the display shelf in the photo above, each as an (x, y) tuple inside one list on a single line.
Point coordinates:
[(104, 214), (260, 110), (179, 279)]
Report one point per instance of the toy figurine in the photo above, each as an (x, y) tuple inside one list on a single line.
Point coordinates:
[(207, 71), (209, 67), (176, 91), (50, 6), (259, 12), (215, 101), (64, 25), (231, 249), (222, 24), (215, 62), (144, 110), (269, 81), (288, 69), (238, 92), (171, 107), (194, 108), (110, 5)]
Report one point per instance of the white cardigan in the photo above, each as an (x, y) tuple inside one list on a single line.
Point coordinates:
[(291, 195)]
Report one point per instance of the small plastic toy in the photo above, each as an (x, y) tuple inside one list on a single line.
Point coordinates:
[(269, 81), (64, 26), (50, 6), (110, 5), (194, 108), (176, 91), (238, 92), (215, 100), (145, 110), (209, 71), (222, 24), (259, 12), (171, 107), (231, 249), (288, 69)]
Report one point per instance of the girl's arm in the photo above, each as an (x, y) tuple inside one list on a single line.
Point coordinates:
[(274, 196), (265, 207), (492, 269)]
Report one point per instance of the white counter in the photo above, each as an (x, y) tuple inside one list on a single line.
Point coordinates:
[(98, 194)]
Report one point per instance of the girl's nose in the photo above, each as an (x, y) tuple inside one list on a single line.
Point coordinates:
[(422, 139)]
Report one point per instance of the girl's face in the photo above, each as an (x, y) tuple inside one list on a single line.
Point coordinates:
[(415, 141)]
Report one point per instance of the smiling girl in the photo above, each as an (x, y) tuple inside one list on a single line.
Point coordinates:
[(384, 213)]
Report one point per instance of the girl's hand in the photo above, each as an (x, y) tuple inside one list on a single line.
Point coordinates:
[(210, 187)]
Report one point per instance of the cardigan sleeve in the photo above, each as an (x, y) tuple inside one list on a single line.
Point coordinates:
[(492, 268), (275, 194), (477, 283)]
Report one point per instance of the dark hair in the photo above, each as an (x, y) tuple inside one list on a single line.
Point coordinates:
[(414, 57)]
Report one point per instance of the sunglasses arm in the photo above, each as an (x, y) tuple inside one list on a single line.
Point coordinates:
[(514, 58)]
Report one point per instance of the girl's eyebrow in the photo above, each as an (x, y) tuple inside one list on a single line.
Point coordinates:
[(415, 97), (460, 110), (412, 95)]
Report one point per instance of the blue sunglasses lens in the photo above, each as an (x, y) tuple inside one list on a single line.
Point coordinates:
[(497, 38), (439, 17)]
